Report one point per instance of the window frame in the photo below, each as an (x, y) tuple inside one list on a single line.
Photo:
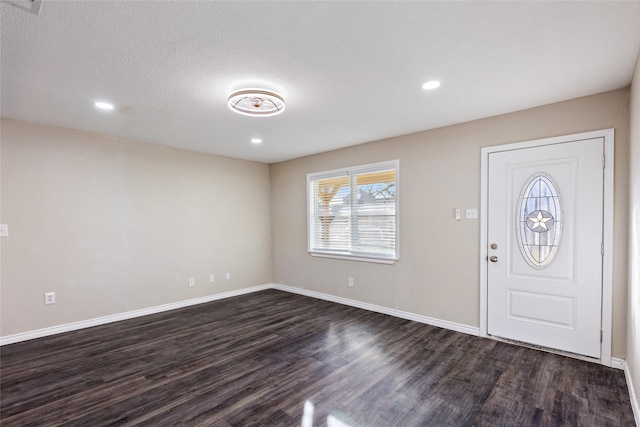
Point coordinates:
[(350, 171)]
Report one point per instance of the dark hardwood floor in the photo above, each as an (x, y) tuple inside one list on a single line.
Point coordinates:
[(254, 360)]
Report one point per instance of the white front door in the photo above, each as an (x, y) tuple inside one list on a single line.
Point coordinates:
[(544, 232)]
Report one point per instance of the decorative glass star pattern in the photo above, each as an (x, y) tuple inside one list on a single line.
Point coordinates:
[(538, 221)]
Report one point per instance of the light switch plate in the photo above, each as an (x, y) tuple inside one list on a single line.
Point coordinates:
[(4, 230)]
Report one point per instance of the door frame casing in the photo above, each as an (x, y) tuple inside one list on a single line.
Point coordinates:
[(607, 227)]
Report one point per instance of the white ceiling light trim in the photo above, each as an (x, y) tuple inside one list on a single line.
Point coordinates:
[(256, 102)]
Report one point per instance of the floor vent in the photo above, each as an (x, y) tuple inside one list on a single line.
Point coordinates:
[(32, 6)]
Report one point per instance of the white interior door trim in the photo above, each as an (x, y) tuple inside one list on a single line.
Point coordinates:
[(607, 261)]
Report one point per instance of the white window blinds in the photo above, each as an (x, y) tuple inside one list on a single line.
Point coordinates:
[(353, 212)]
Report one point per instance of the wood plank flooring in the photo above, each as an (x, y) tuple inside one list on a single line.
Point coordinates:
[(254, 360)]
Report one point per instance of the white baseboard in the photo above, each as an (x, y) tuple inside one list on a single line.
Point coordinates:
[(384, 310), (53, 330), (635, 405), (618, 363), (10, 339)]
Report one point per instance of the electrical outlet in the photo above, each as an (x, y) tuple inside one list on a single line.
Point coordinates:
[(4, 230), (211, 278), (350, 282), (471, 214), (192, 282), (228, 276), (49, 298)]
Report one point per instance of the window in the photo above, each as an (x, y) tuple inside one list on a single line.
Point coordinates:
[(539, 224), (353, 212)]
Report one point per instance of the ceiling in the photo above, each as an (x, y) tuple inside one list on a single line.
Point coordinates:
[(350, 72)]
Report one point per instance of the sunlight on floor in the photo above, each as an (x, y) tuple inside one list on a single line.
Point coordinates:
[(307, 417)]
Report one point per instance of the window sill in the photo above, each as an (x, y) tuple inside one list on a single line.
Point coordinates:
[(354, 258)]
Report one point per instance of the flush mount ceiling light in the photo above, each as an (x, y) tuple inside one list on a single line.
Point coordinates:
[(256, 102)]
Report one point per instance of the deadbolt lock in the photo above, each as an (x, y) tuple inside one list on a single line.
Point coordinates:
[(494, 246)]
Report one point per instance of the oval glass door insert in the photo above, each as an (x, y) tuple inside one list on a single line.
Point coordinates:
[(539, 221)]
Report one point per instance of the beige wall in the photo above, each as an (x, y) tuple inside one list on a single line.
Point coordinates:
[(113, 225), (633, 328), (438, 271)]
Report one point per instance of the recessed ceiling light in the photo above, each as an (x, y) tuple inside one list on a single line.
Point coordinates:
[(103, 105), (256, 140), (431, 85), (256, 102)]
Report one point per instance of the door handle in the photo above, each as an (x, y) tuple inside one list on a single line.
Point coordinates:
[(493, 258)]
